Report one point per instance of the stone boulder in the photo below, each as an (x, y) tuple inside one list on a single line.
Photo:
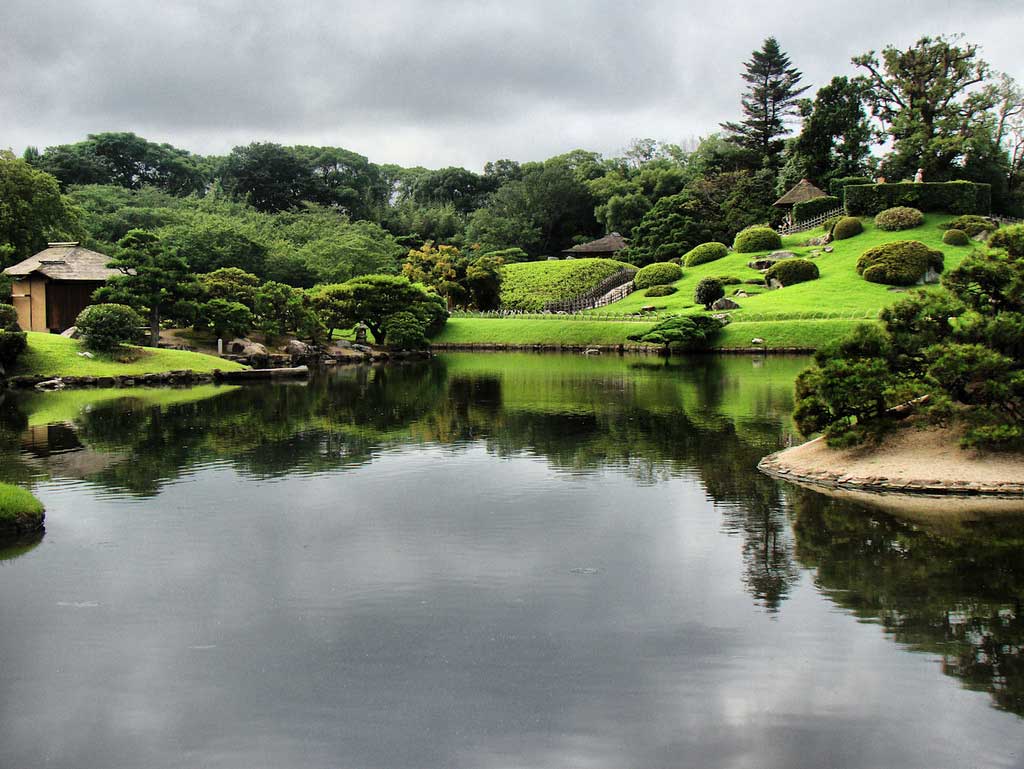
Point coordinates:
[(299, 349), (70, 333), (246, 347), (725, 303)]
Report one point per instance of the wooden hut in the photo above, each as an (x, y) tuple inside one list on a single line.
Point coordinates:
[(801, 192), (608, 247), (52, 287)]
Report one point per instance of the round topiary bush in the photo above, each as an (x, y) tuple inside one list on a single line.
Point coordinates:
[(705, 252), (847, 227), (8, 318), (12, 344), (708, 291), (757, 239), (1010, 238), (973, 224), (660, 291), (105, 327), (955, 238), (899, 263), (791, 271), (829, 223), (404, 331), (657, 274), (899, 218)]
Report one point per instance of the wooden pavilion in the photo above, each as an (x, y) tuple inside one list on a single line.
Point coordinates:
[(608, 246), (801, 192), (52, 287)]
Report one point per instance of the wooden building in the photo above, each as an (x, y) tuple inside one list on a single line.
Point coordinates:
[(608, 246), (801, 192), (52, 287)]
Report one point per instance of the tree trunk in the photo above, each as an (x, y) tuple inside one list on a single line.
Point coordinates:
[(154, 327)]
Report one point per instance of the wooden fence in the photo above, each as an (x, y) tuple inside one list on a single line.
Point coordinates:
[(810, 224), (609, 290)]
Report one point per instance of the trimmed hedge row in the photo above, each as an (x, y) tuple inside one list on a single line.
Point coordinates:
[(529, 286), (811, 208), (947, 197), (899, 262)]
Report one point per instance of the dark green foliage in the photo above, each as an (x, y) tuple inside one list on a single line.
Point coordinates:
[(847, 227), (829, 224), (954, 237), (406, 331), (945, 197), (731, 280), (973, 224), (32, 210), (372, 299), (811, 208), (508, 255), (789, 272), (708, 291), (682, 333), (657, 274), (105, 327), (226, 319), (1011, 239), (756, 239), (899, 218), (656, 291), (12, 344), (705, 252), (279, 308), (8, 318), (669, 230), (211, 243), (838, 186), (231, 284), (835, 140), (899, 262)]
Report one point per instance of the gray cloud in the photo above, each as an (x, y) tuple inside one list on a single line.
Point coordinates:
[(450, 82)]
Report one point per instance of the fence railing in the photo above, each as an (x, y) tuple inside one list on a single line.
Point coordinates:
[(810, 224), (598, 295), (1007, 220), (743, 316)]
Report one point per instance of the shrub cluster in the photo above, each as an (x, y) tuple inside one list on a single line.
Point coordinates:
[(226, 319), (756, 239), (682, 332), (705, 252), (950, 197), (811, 208), (788, 272), (8, 318), (847, 227), (105, 327), (829, 224), (655, 291), (1011, 239), (708, 291), (899, 218), (954, 237), (405, 331), (657, 274), (973, 224), (899, 262)]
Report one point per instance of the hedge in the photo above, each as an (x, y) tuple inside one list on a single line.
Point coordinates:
[(657, 274), (899, 262), (836, 186), (105, 327), (705, 252), (946, 197), (757, 239), (811, 208), (973, 224), (8, 318), (847, 227), (1011, 238), (791, 271), (655, 291)]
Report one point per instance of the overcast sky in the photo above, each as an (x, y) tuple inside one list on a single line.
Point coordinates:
[(433, 83)]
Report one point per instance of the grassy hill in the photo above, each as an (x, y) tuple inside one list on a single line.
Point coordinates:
[(531, 285)]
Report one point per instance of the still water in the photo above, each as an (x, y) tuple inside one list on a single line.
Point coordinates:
[(485, 561)]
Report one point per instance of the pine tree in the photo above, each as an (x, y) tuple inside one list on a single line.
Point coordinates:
[(771, 98)]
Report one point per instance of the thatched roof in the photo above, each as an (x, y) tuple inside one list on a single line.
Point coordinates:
[(65, 261), (609, 244), (801, 193)]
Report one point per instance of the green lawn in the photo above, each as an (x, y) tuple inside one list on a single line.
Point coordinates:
[(530, 285), (53, 355), (840, 291), (555, 331), (17, 504), (67, 405)]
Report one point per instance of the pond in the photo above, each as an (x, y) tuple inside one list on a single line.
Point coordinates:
[(486, 561)]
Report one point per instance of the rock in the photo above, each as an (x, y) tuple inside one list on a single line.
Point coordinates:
[(762, 264), (721, 316), (757, 340), (828, 249), (71, 333), (774, 283), (363, 348), (740, 293), (300, 349), (51, 384), (780, 255), (931, 276), (648, 308), (246, 347), (725, 303), (86, 354)]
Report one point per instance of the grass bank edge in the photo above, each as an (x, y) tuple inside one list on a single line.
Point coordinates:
[(19, 507)]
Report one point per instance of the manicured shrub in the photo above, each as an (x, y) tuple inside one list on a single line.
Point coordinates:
[(708, 291), (847, 227), (105, 327), (12, 344), (405, 331), (657, 274), (899, 262), (654, 291), (838, 186), (1009, 238), (955, 238), (729, 280), (948, 197), (681, 332), (829, 224), (791, 271), (815, 207), (973, 224), (899, 218), (8, 318), (757, 239), (705, 252), (226, 319)]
